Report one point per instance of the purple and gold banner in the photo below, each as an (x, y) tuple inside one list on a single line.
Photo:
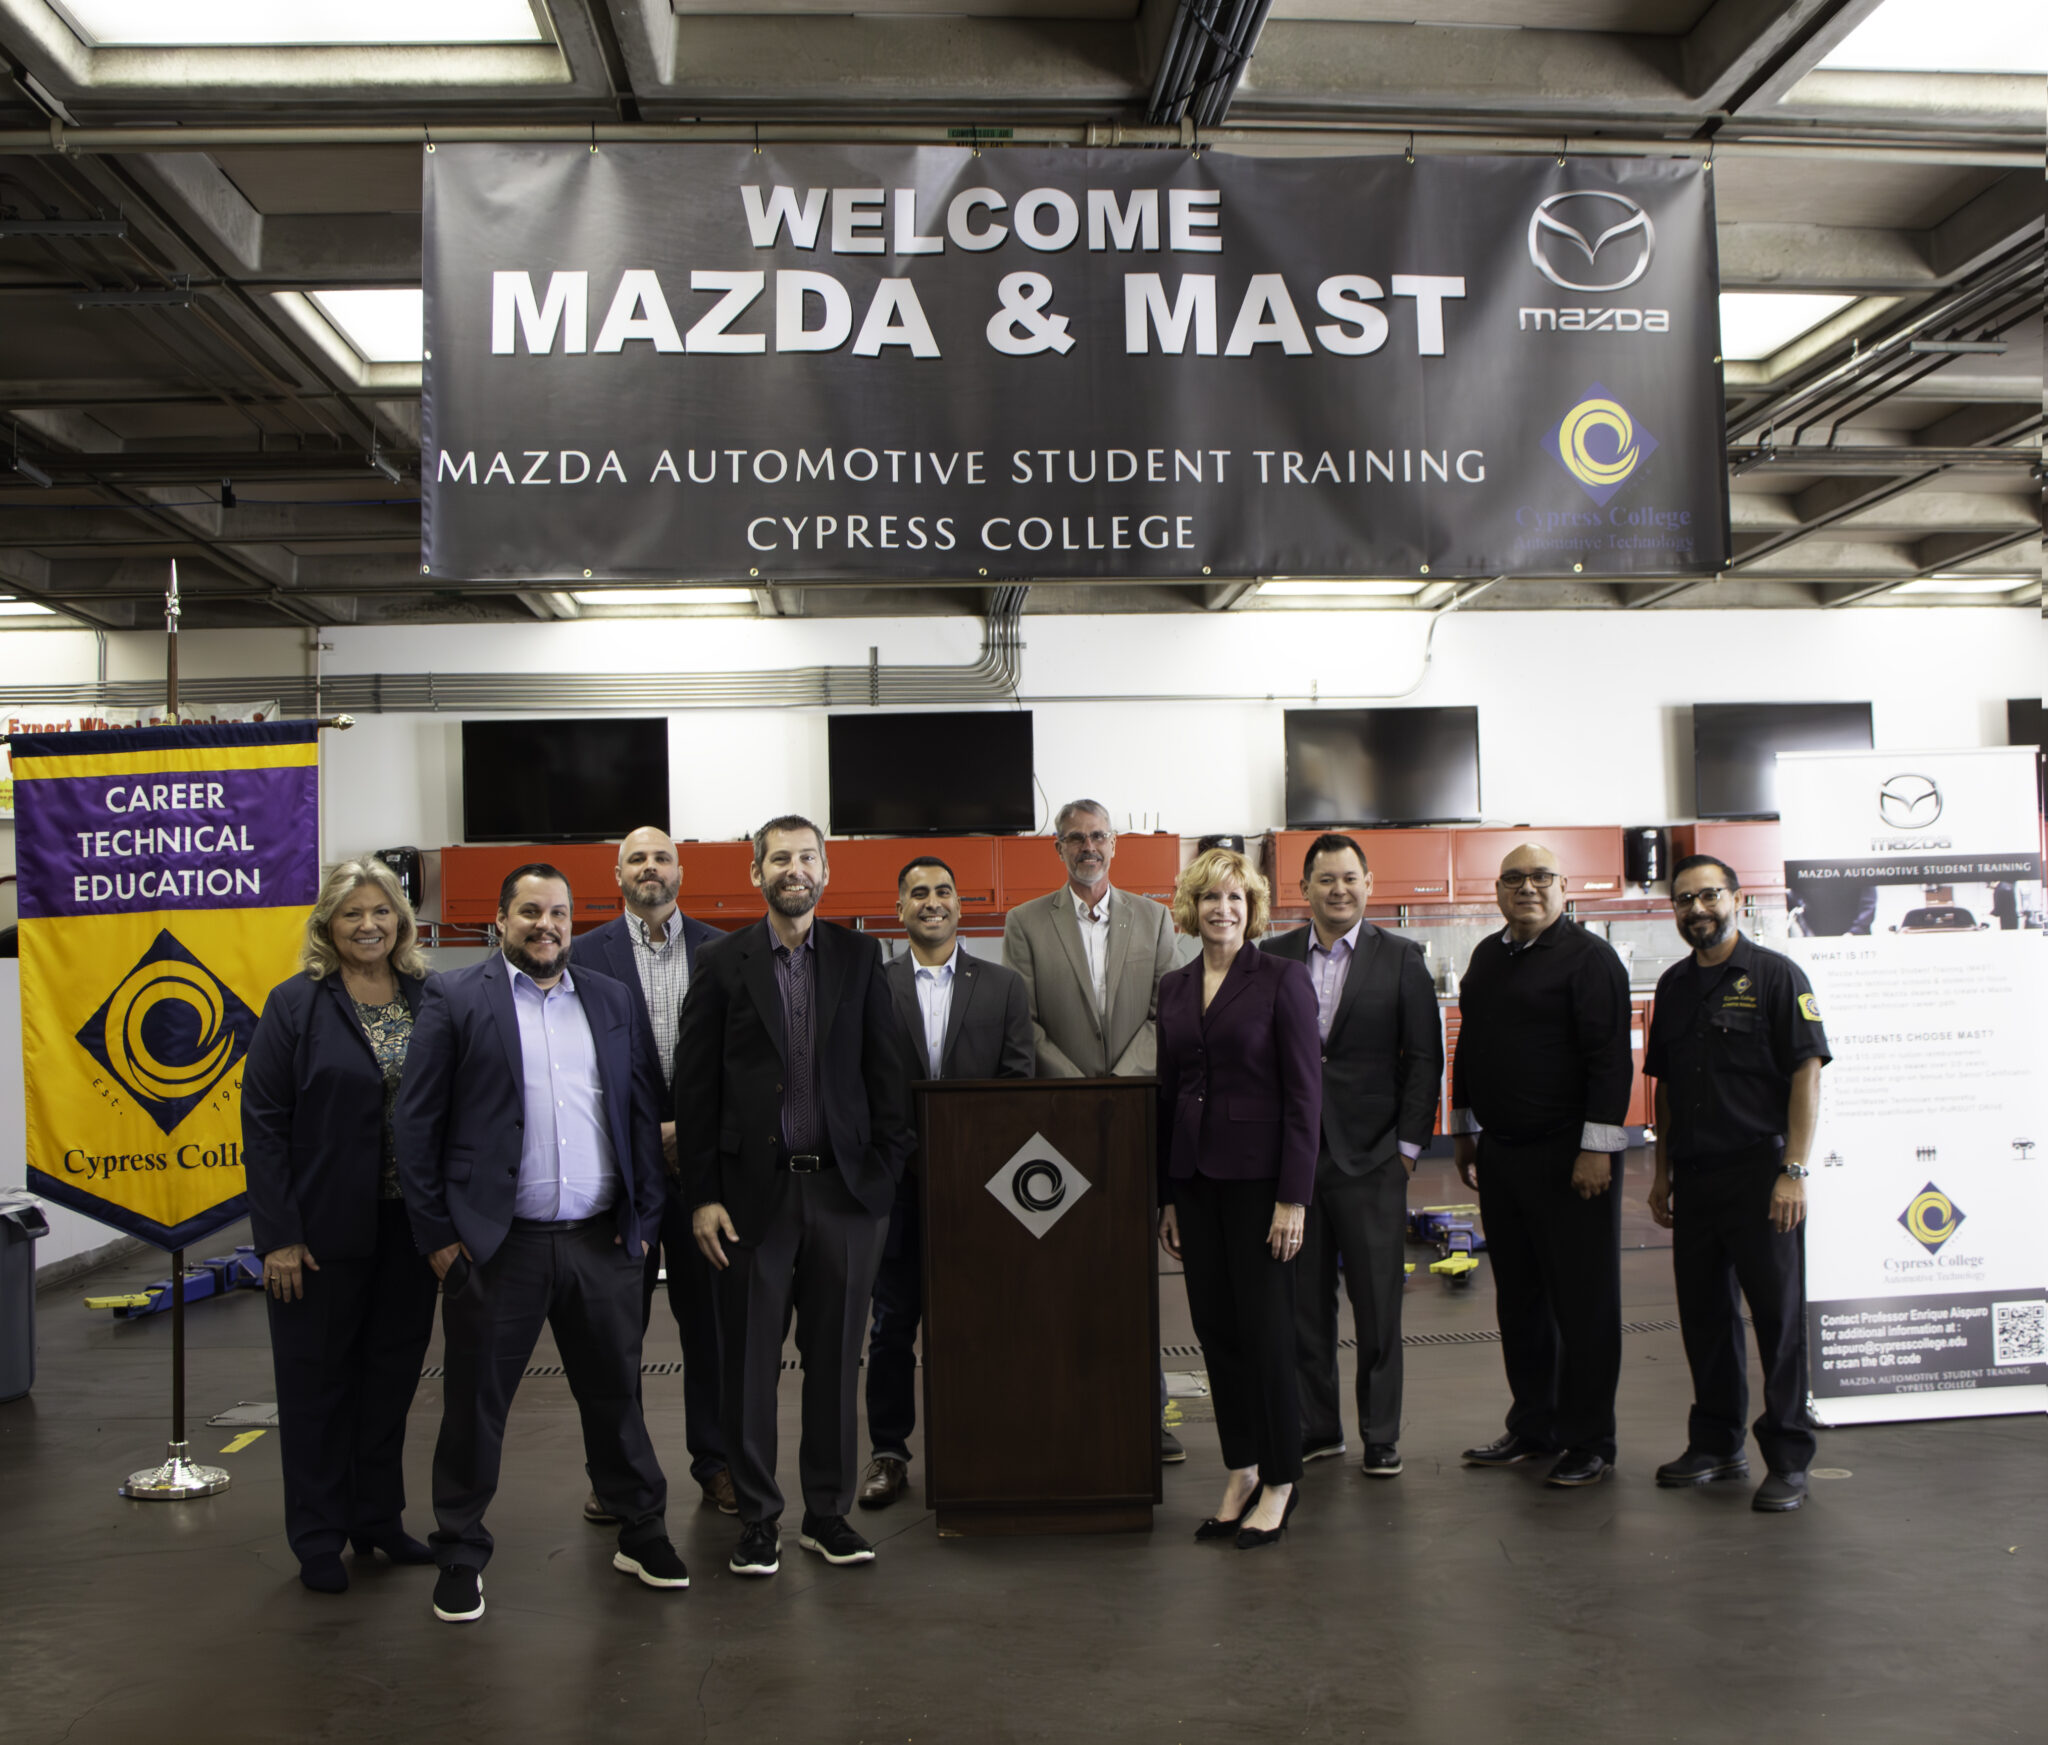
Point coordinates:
[(165, 877)]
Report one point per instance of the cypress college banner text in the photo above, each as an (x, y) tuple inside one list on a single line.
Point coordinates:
[(709, 362), (165, 877)]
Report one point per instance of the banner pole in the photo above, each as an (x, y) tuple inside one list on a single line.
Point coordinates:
[(177, 1477)]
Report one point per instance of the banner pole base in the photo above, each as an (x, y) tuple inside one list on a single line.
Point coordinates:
[(175, 1480)]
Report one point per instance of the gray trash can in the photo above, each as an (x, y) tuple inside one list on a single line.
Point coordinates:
[(21, 1222)]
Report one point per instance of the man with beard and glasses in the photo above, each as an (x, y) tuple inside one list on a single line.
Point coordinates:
[(1091, 957), (651, 950), (793, 1128), (1736, 1049), (528, 1133)]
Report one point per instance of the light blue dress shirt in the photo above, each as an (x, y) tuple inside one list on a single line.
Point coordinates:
[(567, 1168), (935, 1006)]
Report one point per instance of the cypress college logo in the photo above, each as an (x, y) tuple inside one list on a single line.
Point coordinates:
[(170, 1032), (1600, 444), (1932, 1218)]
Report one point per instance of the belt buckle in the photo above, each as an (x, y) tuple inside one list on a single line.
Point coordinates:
[(805, 1163)]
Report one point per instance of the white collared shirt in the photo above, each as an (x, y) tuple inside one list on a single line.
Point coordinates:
[(935, 1005), (1095, 942)]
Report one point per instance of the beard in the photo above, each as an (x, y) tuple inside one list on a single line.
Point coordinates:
[(792, 903), (520, 958), (1704, 932), (653, 891)]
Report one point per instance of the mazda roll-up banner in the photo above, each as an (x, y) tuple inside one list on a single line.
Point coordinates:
[(1918, 910), (711, 362)]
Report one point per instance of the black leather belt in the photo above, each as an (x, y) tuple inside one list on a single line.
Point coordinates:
[(555, 1226), (805, 1163)]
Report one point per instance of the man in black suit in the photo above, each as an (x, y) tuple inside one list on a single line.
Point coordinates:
[(652, 949), (1383, 1060), (529, 1148), (793, 1126), (962, 1018)]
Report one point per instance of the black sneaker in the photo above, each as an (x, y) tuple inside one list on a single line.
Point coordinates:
[(1382, 1460), (656, 1564), (759, 1552), (459, 1596), (1780, 1493), (1171, 1453), (1323, 1450), (1691, 1469), (832, 1539)]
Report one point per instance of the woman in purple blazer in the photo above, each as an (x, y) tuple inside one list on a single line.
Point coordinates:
[(1240, 1108)]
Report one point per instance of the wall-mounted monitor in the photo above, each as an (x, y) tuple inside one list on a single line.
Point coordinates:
[(1382, 766), (1735, 749), (580, 780), (2024, 726), (946, 773)]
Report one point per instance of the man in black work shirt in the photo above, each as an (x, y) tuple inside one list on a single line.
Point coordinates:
[(1736, 1048), (1539, 1098)]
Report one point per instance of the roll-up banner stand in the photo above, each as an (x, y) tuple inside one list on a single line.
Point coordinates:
[(652, 362), (1915, 883)]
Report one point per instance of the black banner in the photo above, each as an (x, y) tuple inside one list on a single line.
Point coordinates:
[(707, 362)]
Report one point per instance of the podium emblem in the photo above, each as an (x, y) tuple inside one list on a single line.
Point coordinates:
[(1038, 1187)]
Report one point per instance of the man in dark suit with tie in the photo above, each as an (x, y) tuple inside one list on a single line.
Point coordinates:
[(1383, 1061), (793, 1128), (962, 1018), (652, 951), (529, 1147)]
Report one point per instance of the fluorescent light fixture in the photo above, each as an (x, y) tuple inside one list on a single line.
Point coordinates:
[(662, 596), (24, 609), (1756, 324), (1963, 584), (297, 23), (1289, 588), (383, 327), (1946, 36)]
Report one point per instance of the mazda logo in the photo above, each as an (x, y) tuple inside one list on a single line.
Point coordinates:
[(1039, 1186), (1626, 242), (1909, 802)]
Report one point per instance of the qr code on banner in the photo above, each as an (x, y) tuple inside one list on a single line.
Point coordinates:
[(2019, 1332)]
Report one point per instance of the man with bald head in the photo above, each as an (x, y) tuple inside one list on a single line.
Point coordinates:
[(652, 949), (1539, 1097)]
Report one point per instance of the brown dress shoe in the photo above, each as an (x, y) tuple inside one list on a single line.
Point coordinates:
[(718, 1492), (883, 1482)]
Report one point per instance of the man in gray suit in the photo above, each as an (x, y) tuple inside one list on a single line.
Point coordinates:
[(1091, 957), (1383, 1062), (962, 1019)]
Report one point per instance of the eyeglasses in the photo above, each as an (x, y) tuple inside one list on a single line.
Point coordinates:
[(1088, 839), (1541, 877), (1706, 898)]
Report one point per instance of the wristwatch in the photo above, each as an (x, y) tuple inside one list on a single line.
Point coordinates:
[(1797, 1171)]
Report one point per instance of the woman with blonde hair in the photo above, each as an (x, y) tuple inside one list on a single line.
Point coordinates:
[(351, 1299), (1240, 1109)]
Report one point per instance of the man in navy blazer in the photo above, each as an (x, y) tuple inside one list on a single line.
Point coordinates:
[(529, 1148), (1383, 1063), (793, 1127), (652, 951)]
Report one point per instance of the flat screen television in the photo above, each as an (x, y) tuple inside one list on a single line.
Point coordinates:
[(1735, 748), (2024, 726), (581, 780), (1382, 766), (945, 773)]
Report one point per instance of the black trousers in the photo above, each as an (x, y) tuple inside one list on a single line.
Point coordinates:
[(892, 1331), (347, 1358), (1557, 1290), (1362, 1219), (1242, 1303), (693, 1300), (816, 1258), (586, 1287), (1722, 1243)]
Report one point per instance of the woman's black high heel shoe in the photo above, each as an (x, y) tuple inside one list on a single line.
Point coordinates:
[(1212, 1528), (398, 1545), (1251, 1538)]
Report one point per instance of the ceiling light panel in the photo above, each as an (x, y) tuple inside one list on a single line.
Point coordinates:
[(298, 23), (663, 596), (1287, 588), (384, 327), (1946, 36), (1757, 324)]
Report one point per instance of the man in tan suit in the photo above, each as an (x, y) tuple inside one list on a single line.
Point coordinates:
[(1091, 958)]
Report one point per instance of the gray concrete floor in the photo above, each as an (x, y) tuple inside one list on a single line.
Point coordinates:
[(1903, 1604)]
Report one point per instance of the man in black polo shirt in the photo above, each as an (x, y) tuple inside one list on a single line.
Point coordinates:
[(1736, 1048), (1539, 1098)]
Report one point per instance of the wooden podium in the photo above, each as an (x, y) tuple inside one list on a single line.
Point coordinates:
[(1041, 1305)]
